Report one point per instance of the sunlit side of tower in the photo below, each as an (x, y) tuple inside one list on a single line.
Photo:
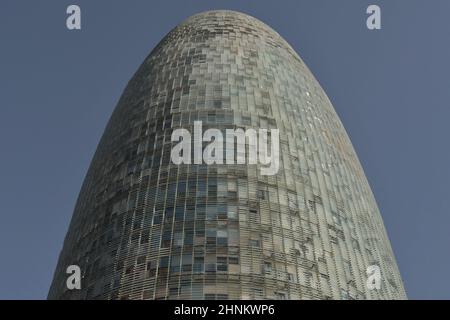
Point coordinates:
[(144, 228)]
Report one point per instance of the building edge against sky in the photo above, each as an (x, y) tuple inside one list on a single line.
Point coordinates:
[(144, 228)]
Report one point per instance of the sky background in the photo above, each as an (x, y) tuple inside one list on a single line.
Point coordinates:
[(58, 89)]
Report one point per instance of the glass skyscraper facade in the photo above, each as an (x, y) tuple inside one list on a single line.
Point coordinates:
[(145, 228)]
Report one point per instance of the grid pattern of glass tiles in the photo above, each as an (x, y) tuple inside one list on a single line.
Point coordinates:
[(144, 228)]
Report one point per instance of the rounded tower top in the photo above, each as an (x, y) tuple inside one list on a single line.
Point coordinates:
[(229, 22)]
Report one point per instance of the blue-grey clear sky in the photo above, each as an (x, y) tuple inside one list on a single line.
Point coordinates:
[(59, 87)]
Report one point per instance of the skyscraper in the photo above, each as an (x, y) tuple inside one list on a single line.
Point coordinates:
[(146, 228)]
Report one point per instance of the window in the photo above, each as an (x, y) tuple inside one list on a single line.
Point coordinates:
[(292, 201), (198, 264), (211, 232), (151, 267), (157, 219), (222, 212), (246, 120), (129, 270), (254, 243), (173, 291), (233, 260), (222, 241), (140, 259), (187, 259), (262, 194), (175, 264), (253, 213), (222, 264), (210, 267), (267, 267), (258, 293), (188, 238), (166, 238), (211, 213), (179, 214), (312, 205), (232, 213), (290, 277), (178, 239), (280, 296), (164, 262)]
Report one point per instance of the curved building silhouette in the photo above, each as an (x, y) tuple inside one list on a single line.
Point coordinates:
[(145, 228)]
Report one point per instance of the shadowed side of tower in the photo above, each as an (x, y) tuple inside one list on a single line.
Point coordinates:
[(145, 228)]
